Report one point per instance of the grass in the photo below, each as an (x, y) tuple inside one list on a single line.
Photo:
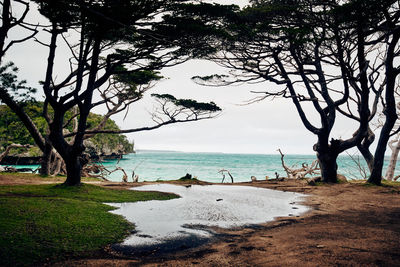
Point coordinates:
[(46, 223), (32, 176)]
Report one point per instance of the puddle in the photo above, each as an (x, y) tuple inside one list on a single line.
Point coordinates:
[(184, 221)]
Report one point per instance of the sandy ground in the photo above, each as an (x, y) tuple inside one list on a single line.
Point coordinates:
[(350, 224)]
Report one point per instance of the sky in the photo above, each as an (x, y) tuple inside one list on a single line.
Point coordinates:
[(259, 128)]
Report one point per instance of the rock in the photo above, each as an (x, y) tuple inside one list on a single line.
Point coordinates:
[(187, 177), (253, 179)]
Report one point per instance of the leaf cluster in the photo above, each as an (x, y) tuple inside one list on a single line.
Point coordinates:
[(189, 103), (9, 82)]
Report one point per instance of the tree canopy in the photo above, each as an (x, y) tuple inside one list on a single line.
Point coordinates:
[(117, 49), (319, 54)]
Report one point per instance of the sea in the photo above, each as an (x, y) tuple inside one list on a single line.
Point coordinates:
[(171, 165)]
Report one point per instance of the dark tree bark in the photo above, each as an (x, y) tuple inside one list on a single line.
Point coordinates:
[(363, 147), (74, 169), (390, 110), (327, 161)]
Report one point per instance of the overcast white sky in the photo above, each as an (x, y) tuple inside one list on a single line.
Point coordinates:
[(258, 128)]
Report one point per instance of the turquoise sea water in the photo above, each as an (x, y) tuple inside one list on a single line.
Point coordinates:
[(154, 165), (150, 165)]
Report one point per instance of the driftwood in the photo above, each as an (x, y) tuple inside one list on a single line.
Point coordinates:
[(223, 171), (302, 172), (135, 178)]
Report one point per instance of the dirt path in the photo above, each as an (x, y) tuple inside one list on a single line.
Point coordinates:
[(351, 224)]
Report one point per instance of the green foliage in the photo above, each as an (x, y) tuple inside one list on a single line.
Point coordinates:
[(39, 222), (138, 77), (188, 103), (12, 130), (108, 143), (9, 82)]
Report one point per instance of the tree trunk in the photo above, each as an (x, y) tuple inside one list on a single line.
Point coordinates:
[(327, 163), (74, 168), (379, 157), (393, 160), (390, 109), (363, 147), (46, 159)]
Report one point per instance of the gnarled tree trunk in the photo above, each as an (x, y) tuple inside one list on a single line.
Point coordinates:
[(328, 166), (327, 153), (74, 168)]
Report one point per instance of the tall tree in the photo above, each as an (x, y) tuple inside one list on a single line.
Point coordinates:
[(320, 54), (388, 34), (300, 46), (121, 44)]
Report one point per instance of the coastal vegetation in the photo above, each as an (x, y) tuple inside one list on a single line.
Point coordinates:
[(12, 130)]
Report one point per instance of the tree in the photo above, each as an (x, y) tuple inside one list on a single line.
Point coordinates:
[(300, 46), (379, 23), (10, 86), (394, 146), (121, 45), (388, 30)]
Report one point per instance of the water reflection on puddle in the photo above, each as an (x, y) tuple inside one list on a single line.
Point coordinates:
[(160, 222)]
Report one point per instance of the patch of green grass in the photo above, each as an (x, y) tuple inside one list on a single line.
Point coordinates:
[(385, 183), (390, 183), (40, 223)]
